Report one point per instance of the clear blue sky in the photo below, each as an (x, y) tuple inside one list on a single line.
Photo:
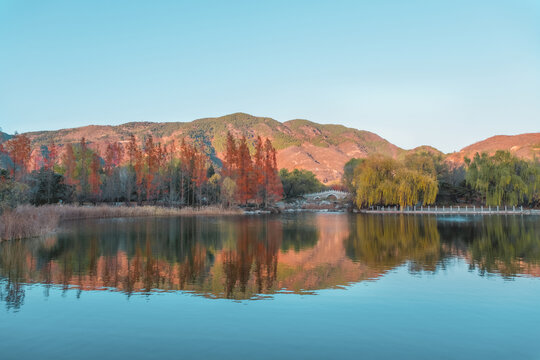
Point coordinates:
[(442, 73)]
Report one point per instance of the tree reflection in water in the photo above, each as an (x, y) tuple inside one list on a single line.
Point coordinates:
[(386, 241), (253, 257)]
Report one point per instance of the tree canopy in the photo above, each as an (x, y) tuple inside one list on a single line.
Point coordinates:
[(299, 182), (503, 179), (382, 180)]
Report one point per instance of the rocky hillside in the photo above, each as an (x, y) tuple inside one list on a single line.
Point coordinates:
[(525, 146), (4, 137), (323, 149)]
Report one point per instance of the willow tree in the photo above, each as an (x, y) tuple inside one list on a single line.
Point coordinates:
[(384, 181), (503, 179)]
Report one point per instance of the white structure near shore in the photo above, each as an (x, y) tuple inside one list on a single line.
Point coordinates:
[(465, 210)]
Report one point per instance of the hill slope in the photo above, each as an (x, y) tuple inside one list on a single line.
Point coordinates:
[(524, 146), (4, 137), (302, 144), (323, 149)]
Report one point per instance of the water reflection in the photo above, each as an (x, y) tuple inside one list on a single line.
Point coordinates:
[(384, 242), (254, 257)]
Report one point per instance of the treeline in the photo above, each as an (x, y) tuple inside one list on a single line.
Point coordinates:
[(138, 171), (425, 178)]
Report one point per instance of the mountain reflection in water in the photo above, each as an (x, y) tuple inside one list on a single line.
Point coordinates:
[(254, 257)]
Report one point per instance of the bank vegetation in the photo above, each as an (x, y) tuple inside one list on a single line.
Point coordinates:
[(424, 178), (39, 188)]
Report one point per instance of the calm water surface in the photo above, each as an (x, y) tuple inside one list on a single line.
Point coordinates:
[(291, 286)]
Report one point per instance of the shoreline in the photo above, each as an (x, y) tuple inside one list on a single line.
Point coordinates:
[(29, 221), (458, 211)]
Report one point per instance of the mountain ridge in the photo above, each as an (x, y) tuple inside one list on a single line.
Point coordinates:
[(321, 148)]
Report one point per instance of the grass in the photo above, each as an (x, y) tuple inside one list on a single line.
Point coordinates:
[(30, 221)]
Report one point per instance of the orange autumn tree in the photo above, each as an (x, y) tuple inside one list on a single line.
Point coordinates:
[(83, 169), (94, 177), (186, 170), (52, 156), (231, 155), (113, 157), (132, 149), (193, 168), (199, 172), (256, 179), (19, 150), (273, 188), (244, 181), (139, 173), (156, 172), (152, 153), (259, 171)]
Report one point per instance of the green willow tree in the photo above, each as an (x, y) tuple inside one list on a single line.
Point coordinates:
[(299, 182), (503, 179), (384, 181)]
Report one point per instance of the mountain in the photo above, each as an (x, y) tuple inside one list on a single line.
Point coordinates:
[(323, 149), (525, 146), (4, 137)]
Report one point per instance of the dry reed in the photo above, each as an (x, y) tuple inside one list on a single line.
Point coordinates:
[(29, 221)]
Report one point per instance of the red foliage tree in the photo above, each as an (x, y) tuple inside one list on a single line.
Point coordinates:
[(245, 173), (138, 166), (52, 156), (231, 158), (94, 178), (152, 153), (132, 149), (273, 185), (19, 150), (113, 157), (83, 169), (259, 171), (193, 165)]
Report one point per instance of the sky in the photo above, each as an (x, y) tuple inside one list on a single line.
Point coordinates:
[(440, 73)]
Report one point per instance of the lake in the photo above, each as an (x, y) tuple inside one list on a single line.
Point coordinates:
[(305, 285)]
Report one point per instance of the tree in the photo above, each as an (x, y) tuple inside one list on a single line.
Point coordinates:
[(48, 187), (348, 174), (51, 156), (259, 170), (19, 150), (94, 178), (299, 182), (231, 154), (12, 192), (214, 188), (133, 149), (113, 157), (82, 167), (384, 181), (200, 172), (152, 166), (69, 165), (244, 180), (228, 191), (451, 180), (139, 173), (503, 179), (273, 188), (129, 175)]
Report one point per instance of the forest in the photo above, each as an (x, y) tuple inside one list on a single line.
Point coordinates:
[(143, 172)]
